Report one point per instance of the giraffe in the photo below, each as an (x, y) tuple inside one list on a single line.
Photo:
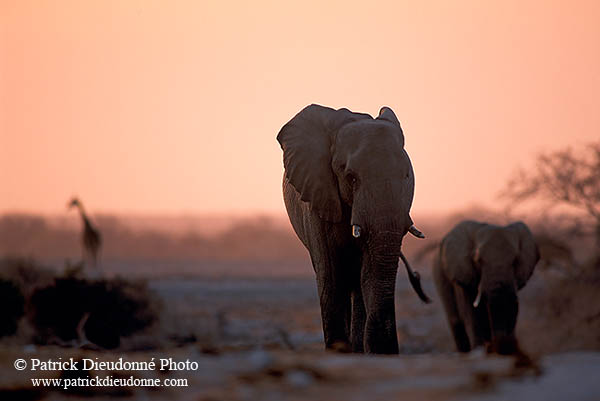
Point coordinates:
[(91, 236)]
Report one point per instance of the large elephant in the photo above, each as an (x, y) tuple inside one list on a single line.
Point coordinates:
[(348, 188), (477, 272)]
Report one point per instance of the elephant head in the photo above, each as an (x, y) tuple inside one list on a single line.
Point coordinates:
[(491, 263), (337, 159)]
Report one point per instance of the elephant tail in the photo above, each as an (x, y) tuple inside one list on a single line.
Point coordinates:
[(415, 280)]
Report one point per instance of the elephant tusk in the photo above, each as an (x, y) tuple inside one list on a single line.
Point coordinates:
[(478, 297), (355, 230), (415, 231)]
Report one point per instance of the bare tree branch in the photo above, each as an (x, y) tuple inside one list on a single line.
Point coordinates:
[(563, 177)]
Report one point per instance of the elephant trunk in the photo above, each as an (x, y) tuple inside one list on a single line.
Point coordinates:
[(381, 226), (375, 213), (378, 283), (385, 231), (503, 308)]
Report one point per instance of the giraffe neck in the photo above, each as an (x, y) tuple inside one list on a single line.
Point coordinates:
[(84, 216)]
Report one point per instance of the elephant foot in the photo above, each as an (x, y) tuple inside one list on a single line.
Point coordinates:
[(358, 347), (342, 347), (503, 345), (524, 364), (461, 338)]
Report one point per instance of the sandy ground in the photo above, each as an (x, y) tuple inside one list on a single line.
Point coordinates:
[(260, 339)]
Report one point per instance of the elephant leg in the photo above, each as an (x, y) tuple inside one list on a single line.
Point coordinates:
[(481, 323), (380, 336), (466, 312), (325, 244), (357, 328), (335, 314), (476, 319), (445, 289), (334, 297)]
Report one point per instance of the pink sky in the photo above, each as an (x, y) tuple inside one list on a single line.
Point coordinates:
[(173, 107)]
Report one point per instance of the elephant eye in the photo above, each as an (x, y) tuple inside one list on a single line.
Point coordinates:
[(351, 178)]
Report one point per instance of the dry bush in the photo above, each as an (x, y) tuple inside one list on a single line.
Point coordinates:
[(25, 273), (113, 309), (56, 304), (560, 314), (18, 278), (565, 178), (13, 307)]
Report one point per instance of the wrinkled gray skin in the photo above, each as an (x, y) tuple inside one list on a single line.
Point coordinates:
[(343, 169), (494, 262)]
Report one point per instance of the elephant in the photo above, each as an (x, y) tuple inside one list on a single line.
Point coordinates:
[(348, 188), (477, 272)]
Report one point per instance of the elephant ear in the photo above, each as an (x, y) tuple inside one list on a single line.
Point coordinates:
[(388, 114), (306, 142), (457, 251), (529, 254)]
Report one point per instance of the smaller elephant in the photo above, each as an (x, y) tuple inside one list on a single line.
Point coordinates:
[(477, 272)]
